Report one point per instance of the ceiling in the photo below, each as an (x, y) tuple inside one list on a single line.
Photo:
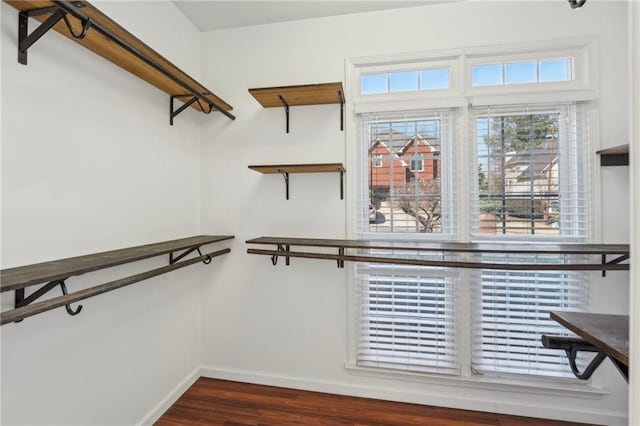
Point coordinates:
[(214, 15)]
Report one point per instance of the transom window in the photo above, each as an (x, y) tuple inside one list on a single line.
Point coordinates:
[(521, 72), (405, 81)]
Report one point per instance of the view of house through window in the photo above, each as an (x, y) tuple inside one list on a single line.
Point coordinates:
[(404, 181), (518, 174)]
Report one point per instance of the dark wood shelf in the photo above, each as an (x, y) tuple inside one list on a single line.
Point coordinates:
[(286, 169), (615, 156), (283, 246), (56, 272), (111, 41), (306, 94)]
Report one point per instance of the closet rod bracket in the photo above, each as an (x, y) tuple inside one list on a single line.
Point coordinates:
[(26, 40), (21, 300), (173, 259)]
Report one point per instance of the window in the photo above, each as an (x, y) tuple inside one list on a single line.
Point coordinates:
[(417, 163), (404, 81), (404, 181), (377, 160), (524, 178), (521, 72)]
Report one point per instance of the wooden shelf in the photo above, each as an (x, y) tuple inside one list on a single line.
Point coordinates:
[(299, 168), (615, 156), (111, 41), (602, 250), (58, 271), (286, 169), (307, 94)]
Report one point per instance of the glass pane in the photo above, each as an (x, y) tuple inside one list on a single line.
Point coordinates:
[(518, 176), (374, 83), (555, 70), (434, 79), (405, 189), (487, 75), (403, 81), (521, 72)]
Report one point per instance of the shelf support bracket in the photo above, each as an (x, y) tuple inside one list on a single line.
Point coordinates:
[(617, 260), (172, 259), (281, 249), (26, 40), (286, 111), (342, 184), (21, 300), (173, 113), (572, 346), (341, 110), (340, 261), (285, 175)]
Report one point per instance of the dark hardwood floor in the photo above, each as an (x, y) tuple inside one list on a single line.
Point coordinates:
[(225, 403)]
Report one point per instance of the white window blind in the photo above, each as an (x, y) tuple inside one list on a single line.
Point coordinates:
[(407, 184), (407, 319), (532, 185)]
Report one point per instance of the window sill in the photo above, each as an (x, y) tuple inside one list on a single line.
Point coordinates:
[(559, 387)]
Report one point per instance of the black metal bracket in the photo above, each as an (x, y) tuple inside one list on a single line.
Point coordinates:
[(342, 184), (618, 259), (21, 300), (26, 40), (576, 3), (341, 110), (286, 110), (285, 175), (173, 113), (172, 259), (340, 261), (571, 347), (283, 249)]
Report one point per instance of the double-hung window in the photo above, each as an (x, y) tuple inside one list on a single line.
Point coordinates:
[(444, 155)]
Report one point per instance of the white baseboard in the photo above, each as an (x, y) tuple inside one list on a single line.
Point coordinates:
[(583, 414), (156, 412)]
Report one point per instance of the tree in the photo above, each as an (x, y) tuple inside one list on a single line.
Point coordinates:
[(421, 198)]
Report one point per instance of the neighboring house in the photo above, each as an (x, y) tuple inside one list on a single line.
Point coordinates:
[(413, 160), (419, 153), (535, 172)]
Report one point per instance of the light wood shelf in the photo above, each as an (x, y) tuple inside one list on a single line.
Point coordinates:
[(286, 169), (111, 41), (306, 94)]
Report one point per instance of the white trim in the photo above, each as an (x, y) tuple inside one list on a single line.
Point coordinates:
[(427, 397), (159, 409)]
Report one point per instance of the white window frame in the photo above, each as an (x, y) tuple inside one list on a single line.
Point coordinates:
[(462, 95)]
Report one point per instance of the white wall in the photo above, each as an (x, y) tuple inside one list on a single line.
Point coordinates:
[(634, 358), (90, 163), (288, 325)]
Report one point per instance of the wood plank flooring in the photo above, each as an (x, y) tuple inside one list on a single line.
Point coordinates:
[(225, 403)]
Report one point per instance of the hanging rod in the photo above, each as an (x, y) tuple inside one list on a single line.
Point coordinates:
[(110, 30), (21, 313), (73, 10), (54, 273)]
